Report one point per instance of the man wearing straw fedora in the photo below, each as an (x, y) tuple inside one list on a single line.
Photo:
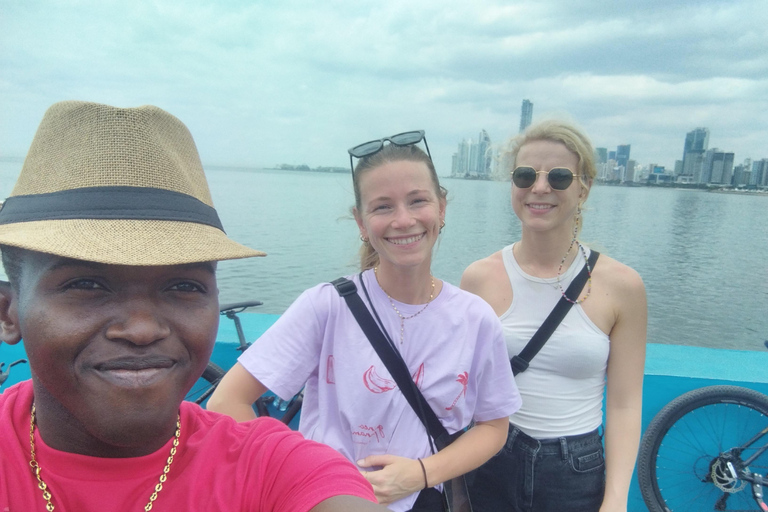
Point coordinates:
[(110, 243)]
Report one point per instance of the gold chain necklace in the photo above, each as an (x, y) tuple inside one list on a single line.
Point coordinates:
[(404, 318), (36, 469)]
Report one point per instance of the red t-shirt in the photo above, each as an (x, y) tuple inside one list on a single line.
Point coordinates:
[(220, 465)]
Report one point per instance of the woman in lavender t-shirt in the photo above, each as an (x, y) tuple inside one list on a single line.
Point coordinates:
[(451, 341)]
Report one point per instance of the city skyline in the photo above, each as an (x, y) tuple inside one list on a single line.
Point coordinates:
[(699, 163)]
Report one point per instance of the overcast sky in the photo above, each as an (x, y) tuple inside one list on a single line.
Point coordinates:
[(288, 81)]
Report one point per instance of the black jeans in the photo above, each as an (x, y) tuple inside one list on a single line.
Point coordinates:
[(550, 475), (429, 500)]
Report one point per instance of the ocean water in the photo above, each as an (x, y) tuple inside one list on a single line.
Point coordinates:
[(702, 256)]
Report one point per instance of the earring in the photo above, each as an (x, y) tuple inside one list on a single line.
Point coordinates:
[(442, 225), (576, 222), (363, 239)]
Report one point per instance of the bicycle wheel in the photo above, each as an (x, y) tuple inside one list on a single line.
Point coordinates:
[(683, 454), (205, 385)]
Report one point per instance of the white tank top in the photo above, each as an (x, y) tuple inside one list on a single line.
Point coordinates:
[(563, 387)]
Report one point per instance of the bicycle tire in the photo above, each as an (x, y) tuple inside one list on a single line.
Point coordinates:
[(682, 445), (202, 390)]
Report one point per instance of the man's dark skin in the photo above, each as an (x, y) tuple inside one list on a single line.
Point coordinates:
[(113, 349)]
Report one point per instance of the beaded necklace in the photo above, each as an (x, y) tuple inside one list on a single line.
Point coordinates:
[(589, 273), (36, 469), (404, 318)]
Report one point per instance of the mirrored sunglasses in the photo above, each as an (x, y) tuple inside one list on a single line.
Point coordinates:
[(559, 178), (374, 146)]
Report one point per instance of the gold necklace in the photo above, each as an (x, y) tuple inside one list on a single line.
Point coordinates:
[(36, 469), (404, 318)]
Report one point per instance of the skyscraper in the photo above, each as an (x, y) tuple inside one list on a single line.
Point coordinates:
[(622, 155), (483, 156), (759, 173), (601, 155), (717, 167), (696, 144), (526, 114)]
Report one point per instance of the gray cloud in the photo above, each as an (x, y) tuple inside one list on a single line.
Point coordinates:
[(299, 82)]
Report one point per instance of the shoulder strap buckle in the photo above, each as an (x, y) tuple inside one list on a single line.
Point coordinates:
[(518, 364), (344, 286)]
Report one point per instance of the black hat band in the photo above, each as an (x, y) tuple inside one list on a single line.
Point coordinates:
[(128, 203)]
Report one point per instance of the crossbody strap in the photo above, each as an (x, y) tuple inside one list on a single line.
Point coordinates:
[(393, 361), (521, 361)]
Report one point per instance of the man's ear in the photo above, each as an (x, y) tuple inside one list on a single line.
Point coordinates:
[(9, 316)]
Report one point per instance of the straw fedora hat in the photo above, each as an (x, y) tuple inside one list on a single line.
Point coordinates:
[(121, 186)]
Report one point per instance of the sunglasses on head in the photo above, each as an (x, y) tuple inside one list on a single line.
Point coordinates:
[(374, 146), (559, 178)]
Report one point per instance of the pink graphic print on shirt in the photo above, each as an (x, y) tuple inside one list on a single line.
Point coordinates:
[(365, 433), (463, 379), (378, 384), (419, 376), (375, 383)]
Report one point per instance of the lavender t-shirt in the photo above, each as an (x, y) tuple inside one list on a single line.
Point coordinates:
[(454, 350)]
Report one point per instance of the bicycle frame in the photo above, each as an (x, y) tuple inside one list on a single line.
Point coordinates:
[(752, 441)]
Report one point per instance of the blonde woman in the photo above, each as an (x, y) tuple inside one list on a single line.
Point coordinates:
[(554, 458)]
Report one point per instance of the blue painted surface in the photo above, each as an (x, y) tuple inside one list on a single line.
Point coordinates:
[(670, 370)]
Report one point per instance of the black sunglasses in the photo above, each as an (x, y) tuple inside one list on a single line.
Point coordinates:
[(559, 178), (374, 146)]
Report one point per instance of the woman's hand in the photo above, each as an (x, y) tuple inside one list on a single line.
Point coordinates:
[(398, 477)]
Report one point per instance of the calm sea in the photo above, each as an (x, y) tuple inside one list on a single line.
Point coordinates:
[(703, 256)]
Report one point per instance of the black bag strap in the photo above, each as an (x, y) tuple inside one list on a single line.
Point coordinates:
[(393, 361), (521, 361)]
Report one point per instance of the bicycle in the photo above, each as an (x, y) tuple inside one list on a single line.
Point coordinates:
[(704, 449), (285, 410)]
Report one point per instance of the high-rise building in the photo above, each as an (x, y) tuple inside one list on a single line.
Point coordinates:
[(601, 155), (472, 168), (454, 165), (483, 156), (629, 175), (741, 174), (696, 144), (622, 155), (717, 167), (526, 115), (461, 167), (759, 173)]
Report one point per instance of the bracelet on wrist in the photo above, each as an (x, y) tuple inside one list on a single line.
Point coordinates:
[(423, 470)]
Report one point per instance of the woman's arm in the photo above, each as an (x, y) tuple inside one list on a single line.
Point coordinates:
[(347, 504), (401, 476), (624, 393), (236, 393)]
